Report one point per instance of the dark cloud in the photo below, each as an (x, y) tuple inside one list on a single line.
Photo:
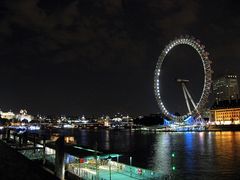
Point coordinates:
[(109, 28), (174, 17)]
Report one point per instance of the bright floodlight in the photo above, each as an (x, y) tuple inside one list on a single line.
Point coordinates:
[(187, 40)]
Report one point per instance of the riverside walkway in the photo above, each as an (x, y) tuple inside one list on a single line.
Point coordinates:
[(15, 166), (76, 162)]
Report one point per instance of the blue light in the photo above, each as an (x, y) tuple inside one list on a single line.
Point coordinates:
[(189, 141), (167, 122), (69, 159), (189, 120)]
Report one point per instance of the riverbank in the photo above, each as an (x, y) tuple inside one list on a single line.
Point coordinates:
[(15, 166), (189, 128), (230, 127)]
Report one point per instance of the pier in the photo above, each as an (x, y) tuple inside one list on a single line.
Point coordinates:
[(71, 161)]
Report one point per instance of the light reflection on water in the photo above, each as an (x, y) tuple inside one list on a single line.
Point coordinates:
[(198, 155)]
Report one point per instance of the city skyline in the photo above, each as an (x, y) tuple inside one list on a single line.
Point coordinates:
[(61, 58)]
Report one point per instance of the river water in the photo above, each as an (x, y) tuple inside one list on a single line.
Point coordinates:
[(198, 155)]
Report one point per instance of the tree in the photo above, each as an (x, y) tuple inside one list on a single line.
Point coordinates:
[(153, 119), (3, 121)]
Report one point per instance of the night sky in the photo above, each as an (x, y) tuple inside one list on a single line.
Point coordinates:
[(98, 57)]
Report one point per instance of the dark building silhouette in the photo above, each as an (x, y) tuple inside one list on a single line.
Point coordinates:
[(226, 88)]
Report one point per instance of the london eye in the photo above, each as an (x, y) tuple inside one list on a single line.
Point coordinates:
[(196, 107)]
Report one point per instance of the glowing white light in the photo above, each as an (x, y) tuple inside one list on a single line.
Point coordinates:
[(207, 71), (34, 128)]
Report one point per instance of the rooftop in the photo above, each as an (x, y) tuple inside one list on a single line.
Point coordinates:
[(226, 104)]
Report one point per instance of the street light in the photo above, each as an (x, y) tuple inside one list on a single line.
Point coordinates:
[(118, 162), (130, 159), (109, 163), (97, 168), (173, 157), (117, 158)]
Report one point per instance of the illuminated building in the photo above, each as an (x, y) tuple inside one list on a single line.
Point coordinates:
[(69, 140), (104, 121), (226, 88), (7, 115), (117, 119), (24, 116), (225, 112)]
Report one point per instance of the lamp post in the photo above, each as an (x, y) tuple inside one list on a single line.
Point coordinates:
[(118, 162), (130, 159), (173, 164), (97, 169), (109, 163)]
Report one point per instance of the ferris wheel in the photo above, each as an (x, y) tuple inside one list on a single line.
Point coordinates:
[(197, 107)]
